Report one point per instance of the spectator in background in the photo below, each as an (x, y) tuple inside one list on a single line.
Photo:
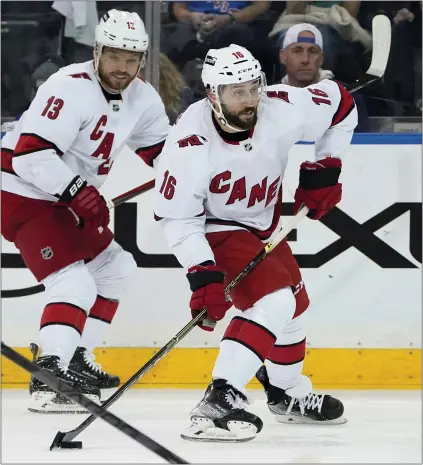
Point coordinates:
[(30, 31), (203, 25), (51, 65), (345, 41), (302, 56), (173, 89), (80, 23), (40, 75), (352, 7), (129, 5), (402, 77), (192, 75)]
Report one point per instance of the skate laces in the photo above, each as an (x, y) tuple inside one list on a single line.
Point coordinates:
[(65, 370), (67, 373), (311, 402), (62, 367), (234, 399), (89, 358)]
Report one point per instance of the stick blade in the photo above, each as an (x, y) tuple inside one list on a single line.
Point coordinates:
[(381, 32), (59, 443)]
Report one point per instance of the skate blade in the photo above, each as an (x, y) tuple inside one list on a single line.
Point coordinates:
[(50, 403), (204, 430), (300, 420)]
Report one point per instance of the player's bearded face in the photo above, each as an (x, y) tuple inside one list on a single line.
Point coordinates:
[(117, 68), (240, 102)]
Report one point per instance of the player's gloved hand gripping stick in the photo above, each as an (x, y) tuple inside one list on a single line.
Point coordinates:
[(87, 199)]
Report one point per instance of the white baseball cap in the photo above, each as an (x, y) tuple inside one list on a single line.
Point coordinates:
[(291, 36)]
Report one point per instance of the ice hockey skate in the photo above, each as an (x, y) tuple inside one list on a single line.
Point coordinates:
[(83, 363), (45, 400), (221, 416), (313, 408)]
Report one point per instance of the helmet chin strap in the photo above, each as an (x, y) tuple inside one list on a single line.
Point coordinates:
[(221, 117)]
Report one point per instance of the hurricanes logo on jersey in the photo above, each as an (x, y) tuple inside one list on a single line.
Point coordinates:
[(281, 95), (191, 141)]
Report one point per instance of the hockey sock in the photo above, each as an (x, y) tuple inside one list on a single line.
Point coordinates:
[(99, 319), (60, 330)]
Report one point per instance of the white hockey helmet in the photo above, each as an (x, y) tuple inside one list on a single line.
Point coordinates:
[(229, 65), (122, 30)]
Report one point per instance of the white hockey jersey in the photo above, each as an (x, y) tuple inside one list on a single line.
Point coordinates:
[(205, 183), (73, 127)]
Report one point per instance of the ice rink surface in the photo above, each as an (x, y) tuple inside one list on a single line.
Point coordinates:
[(383, 427)]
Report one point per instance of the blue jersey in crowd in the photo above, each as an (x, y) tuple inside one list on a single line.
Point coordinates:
[(217, 8)]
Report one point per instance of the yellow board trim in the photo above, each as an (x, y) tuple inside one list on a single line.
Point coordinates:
[(192, 367)]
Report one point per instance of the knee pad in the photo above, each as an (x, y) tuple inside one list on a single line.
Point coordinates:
[(274, 310), (112, 271), (73, 285)]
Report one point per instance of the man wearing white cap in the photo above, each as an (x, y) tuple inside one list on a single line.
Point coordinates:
[(302, 55)]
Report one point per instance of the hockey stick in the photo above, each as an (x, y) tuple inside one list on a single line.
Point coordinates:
[(64, 440), (381, 35), (65, 389), (122, 198)]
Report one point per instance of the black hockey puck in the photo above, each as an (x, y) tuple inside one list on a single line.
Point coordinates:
[(59, 443), (71, 445)]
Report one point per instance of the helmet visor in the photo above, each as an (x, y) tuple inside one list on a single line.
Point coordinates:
[(248, 93)]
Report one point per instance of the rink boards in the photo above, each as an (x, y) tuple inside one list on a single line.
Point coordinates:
[(361, 266)]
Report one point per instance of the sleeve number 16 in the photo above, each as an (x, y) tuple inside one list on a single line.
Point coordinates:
[(168, 186)]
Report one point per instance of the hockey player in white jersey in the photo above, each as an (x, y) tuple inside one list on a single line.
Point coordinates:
[(53, 164), (218, 197)]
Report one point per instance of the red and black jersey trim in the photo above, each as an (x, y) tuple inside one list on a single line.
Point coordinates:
[(6, 161), (345, 107), (149, 154), (288, 354), (31, 143), (262, 235)]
